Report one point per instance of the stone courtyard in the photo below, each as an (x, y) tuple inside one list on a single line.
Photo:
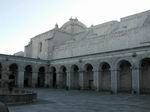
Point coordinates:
[(59, 100), (113, 57)]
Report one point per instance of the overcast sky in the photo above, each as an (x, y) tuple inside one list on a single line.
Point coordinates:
[(21, 20)]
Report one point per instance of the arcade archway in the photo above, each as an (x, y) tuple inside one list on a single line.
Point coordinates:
[(75, 77), (88, 76), (54, 77), (41, 77), (13, 75), (63, 77), (125, 77), (105, 77), (28, 76), (145, 76)]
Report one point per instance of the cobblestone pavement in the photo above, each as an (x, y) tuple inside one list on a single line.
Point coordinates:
[(53, 100)]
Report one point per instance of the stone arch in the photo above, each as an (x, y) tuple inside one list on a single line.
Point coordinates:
[(28, 76), (41, 77), (54, 76), (88, 76), (145, 75), (105, 79), (116, 63), (75, 77), (13, 74), (63, 77), (104, 62), (124, 76)]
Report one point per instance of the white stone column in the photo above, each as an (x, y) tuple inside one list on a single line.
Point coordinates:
[(20, 80), (58, 79), (51, 79), (135, 80), (5, 74), (99, 81), (47, 79), (114, 80), (34, 77), (96, 79), (81, 79), (69, 80)]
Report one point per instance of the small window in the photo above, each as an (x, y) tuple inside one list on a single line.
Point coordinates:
[(40, 47)]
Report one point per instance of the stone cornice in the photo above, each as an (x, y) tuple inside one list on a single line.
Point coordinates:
[(12, 57), (121, 51)]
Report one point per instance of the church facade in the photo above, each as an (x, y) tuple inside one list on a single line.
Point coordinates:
[(113, 56)]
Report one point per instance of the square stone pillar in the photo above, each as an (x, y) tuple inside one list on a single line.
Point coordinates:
[(69, 80), (48, 82), (81, 79), (96, 80), (34, 79), (20, 79), (50, 76), (100, 81), (114, 81), (135, 80), (58, 79), (5, 73)]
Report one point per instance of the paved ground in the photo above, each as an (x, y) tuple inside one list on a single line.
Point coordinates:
[(50, 100)]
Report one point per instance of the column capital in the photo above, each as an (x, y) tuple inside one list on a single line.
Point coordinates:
[(58, 72), (135, 66), (5, 67), (81, 70), (35, 69), (96, 69), (21, 69), (114, 69)]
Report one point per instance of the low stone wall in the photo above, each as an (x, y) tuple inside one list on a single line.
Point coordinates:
[(3, 107), (18, 97)]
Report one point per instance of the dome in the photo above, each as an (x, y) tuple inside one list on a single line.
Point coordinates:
[(73, 26)]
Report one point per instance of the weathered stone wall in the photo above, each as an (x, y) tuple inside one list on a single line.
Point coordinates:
[(130, 32), (120, 80), (28, 50)]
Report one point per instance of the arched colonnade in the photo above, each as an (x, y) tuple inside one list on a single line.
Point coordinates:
[(124, 75)]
